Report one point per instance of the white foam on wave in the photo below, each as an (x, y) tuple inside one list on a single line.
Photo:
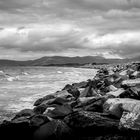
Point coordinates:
[(1, 72), (10, 78), (24, 73), (38, 76), (59, 72), (27, 99)]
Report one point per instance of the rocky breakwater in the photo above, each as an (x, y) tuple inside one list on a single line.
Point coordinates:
[(106, 107)]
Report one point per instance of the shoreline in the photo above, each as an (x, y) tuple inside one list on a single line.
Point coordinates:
[(106, 106)]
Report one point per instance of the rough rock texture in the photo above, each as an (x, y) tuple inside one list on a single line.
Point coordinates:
[(86, 123), (54, 130), (39, 101), (58, 111), (106, 107)]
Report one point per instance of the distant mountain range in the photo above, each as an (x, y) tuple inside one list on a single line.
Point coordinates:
[(65, 61)]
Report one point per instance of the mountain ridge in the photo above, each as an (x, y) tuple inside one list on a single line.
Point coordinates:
[(63, 60)]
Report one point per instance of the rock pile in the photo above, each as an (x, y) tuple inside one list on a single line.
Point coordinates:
[(106, 107)]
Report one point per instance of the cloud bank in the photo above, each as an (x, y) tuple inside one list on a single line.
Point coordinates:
[(32, 29)]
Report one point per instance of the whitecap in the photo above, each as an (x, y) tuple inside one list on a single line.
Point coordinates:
[(59, 72), (24, 73), (10, 78)]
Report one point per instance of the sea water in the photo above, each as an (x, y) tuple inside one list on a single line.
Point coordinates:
[(21, 86)]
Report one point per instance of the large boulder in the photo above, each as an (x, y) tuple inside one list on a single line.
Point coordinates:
[(63, 94), (128, 110), (54, 130), (89, 92), (39, 101), (123, 73), (116, 93), (40, 109), (126, 104), (132, 92), (91, 123), (58, 101), (74, 91), (118, 82), (83, 84), (86, 92), (38, 120), (24, 113), (132, 82), (112, 88), (92, 103), (130, 120), (58, 111)]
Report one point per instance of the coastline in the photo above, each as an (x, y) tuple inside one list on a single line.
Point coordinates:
[(106, 106)]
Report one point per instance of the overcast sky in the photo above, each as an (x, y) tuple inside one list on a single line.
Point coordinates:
[(31, 29)]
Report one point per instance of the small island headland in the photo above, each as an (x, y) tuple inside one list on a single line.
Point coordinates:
[(105, 107)]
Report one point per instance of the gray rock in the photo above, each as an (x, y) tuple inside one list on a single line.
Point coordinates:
[(40, 109), (58, 111), (24, 113), (92, 122), (39, 101), (116, 93), (38, 120), (54, 130)]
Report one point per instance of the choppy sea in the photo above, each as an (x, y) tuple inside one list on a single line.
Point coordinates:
[(21, 86)]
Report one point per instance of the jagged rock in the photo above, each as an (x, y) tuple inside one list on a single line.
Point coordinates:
[(74, 91), (85, 122), (73, 103), (39, 101), (92, 103), (49, 103), (58, 101), (136, 74), (40, 109), (63, 94), (130, 120), (54, 130), (108, 81), (88, 92), (21, 120), (83, 84), (133, 82), (116, 93), (67, 87), (132, 92), (115, 76), (115, 110), (120, 105), (24, 113), (138, 67), (112, 88), (97, 106), (123, 73), (38, 120), (58, 111), (118, 82), (82, 101)]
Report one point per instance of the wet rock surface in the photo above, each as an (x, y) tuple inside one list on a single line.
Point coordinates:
[(106, 107)]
